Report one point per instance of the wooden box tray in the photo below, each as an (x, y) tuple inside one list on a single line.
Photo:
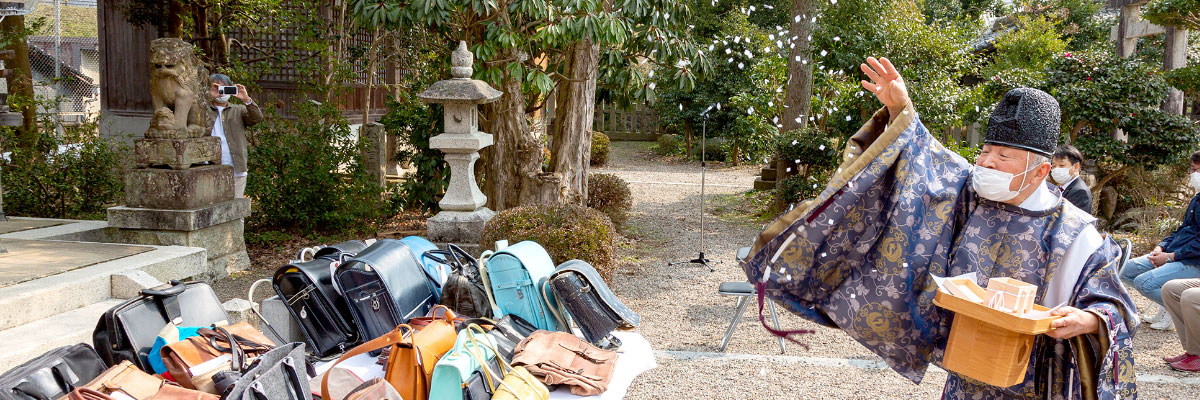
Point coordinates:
[(989, 345)]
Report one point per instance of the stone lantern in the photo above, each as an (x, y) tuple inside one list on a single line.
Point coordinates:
[(463, 214)]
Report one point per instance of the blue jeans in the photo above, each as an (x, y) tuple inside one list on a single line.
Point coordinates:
[(1139, 273)]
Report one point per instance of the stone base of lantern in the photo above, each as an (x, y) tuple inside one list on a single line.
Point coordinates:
[(464, 227)]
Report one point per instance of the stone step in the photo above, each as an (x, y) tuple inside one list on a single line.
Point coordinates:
[(25, 342), (760, 184), (768, 174), (41, 298)]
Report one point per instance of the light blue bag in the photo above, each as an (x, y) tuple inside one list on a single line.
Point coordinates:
[(437, 271), (514, 273), (451, 373)]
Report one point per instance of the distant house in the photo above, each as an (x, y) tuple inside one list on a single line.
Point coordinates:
[(78, 92)]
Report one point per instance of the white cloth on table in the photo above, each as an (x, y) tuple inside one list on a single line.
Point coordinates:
[(636, 357)]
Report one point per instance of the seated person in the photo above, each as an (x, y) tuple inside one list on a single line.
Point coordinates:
[(1181, 297), (1176, 257)]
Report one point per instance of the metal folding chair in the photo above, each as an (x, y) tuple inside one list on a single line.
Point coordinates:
[(745, 293)]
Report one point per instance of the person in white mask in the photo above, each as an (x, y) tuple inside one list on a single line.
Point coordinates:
[(1066, 163), (902, 208), (229, 124), (1175, 257)]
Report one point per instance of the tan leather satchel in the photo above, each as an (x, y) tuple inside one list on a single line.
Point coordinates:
[(193, 362), (412, 356), (560, 358), (124, 381)]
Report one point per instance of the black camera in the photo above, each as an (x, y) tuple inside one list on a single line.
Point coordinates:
[(230, 90)]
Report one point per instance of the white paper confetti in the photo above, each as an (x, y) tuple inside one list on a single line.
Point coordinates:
[(795, 141), (680, 106), (797, 19), (741, 65), (750, 111), (727, 50), (847, 118), (822, 147), (837, 38), (652, 88), (798, 59), (823, 53)]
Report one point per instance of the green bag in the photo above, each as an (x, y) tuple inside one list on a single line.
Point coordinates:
[(452, 373)]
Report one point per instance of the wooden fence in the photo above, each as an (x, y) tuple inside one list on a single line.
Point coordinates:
[(636, 123)]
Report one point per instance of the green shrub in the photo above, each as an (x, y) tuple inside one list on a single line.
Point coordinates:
[(669, 144), (76, 175), (307, 173), (610, 195), (808, 147), (1186, 79), (715, 149), (413, 123), (600, 149), (796, 188), (567, 231)]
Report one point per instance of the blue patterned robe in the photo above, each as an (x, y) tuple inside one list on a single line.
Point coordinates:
[(859, 256)]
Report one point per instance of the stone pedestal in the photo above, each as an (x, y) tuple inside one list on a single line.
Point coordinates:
[(219, 228), (178, 189), (458, 226), (176, 153)]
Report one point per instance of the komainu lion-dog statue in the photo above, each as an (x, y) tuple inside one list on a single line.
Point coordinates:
[(179, 91)]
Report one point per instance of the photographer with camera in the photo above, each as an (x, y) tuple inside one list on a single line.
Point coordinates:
[(230, 125)]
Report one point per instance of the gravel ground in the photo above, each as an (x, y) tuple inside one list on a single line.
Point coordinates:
[(684, 318)]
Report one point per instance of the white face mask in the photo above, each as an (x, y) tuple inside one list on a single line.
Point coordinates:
[(223, 98), (1061, 175), (1194, 180), (993, 184)]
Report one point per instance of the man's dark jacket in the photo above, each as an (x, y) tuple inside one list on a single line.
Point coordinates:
[(1078, 194), (1185, 241)]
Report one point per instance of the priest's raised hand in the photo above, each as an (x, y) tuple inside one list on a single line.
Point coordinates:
[(886, 83)]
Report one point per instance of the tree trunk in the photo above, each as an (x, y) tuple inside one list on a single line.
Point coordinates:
[(513, 173), (20, 79), (174, 19), (575, 108), (800, 77)]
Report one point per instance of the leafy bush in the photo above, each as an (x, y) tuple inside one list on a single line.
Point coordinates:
[(964, 149), (1180, 13), (600, 149), (796, 188), (1186, 79), (1023, 54), (77, 175), (669, 144), (610, 195), (413, 123), (567, 231), (307, 172), (715, 149), (807, 147)]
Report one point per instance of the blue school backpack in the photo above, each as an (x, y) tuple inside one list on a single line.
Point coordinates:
[(514, 273), (437, 271)]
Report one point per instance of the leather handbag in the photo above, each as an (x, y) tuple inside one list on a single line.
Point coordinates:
[(128, 331), (463, 290), (384, 286), (279, 374), (127, 381), (314, 303), (578, 289), (506, 332), (560, 358), (412, 358), (51, 375), (472, 350), (374, 389), (518, 384), (239, 343)]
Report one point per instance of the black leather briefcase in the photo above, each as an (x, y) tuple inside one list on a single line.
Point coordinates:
[(52, 375), (314, 303), (127, 331), (580, 290), (385, 286)]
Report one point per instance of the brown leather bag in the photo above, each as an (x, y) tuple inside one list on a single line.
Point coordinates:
[(412, 357), (560, 358), (129, 381), (182, 356)]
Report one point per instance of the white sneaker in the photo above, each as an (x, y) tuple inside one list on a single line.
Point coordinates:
[(1156, 315), (1164, 325)]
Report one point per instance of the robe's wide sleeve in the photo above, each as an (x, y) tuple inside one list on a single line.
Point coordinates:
[(887, 214), (1105, 359)]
